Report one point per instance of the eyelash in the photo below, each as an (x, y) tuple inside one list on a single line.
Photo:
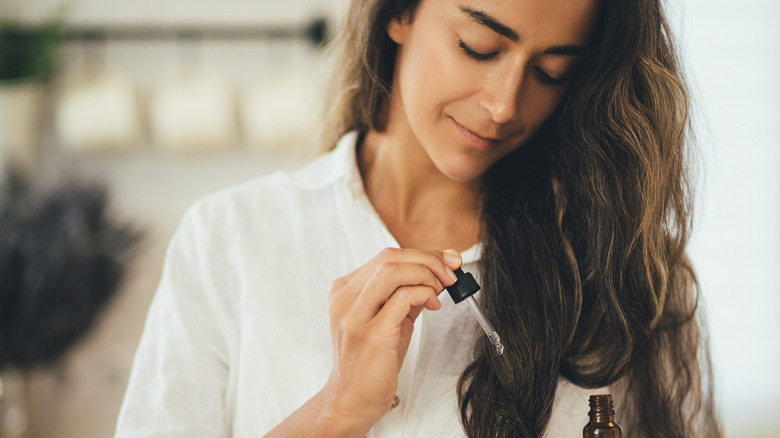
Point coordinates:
[(544, 77), (547, 79), (476, 55)]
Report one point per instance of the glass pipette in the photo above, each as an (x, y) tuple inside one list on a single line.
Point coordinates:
[(463, 290)]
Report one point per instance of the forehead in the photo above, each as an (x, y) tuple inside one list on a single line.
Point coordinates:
[(554, 21)]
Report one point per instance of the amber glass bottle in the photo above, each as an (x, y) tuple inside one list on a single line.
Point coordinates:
[(602, 419)]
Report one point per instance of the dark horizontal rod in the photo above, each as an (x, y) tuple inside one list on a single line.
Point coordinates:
[(315, 31)]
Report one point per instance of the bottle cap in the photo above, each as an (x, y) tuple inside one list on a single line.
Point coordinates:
[(465, 287)]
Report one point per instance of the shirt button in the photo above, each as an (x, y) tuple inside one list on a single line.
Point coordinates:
[(396, 402)]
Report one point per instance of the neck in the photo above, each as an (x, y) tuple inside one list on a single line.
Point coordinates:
[(422, 207)]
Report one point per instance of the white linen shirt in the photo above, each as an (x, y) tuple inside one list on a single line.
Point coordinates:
[(238, 337)]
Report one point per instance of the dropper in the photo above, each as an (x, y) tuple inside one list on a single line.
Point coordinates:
[(463, 290)]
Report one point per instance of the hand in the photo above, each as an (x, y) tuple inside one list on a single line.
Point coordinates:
[(372, 313)]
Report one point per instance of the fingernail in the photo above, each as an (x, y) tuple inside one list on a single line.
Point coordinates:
[(452, 275), (452, 257)]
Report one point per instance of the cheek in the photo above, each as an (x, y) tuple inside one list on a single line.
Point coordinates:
[(430, 78), (539, 104)]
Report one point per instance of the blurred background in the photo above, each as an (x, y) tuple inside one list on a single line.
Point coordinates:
[(152, 104)]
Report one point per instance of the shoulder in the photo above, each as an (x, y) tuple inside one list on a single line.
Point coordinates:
[(265, 212), (300, 188), (272, 195)]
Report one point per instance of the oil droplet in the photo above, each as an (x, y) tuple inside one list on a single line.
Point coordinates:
[(500, 348)]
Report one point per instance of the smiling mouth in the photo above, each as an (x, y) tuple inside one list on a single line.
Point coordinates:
[(475, 139)]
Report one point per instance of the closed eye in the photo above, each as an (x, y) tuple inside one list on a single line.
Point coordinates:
[(547, 79), (476, 55)]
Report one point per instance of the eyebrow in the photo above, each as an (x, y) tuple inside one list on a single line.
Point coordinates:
[(501, 29), (486, 20), (567, 50)]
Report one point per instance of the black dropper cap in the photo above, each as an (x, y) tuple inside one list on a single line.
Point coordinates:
[(465, 287)]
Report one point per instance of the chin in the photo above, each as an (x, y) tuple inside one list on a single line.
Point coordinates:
[(462, 170)]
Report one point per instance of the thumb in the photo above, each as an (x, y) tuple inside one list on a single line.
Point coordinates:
[(452, 258)]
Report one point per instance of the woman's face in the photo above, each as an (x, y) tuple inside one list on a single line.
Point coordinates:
[(475, 79)]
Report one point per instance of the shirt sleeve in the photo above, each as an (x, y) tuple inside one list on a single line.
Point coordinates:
[(178, 382)]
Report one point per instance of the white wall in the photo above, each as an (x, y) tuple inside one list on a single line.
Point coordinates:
[(732, 51)]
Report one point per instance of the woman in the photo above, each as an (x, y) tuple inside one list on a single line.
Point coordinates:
[(542, 141)]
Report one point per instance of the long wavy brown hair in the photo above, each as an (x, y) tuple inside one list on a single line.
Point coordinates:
[(583, 229)]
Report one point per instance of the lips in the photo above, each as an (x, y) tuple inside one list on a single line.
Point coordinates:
[(475, 139)]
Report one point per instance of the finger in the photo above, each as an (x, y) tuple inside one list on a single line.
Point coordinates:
[(387, 279), (345, 291), (417, 310), (433, 259), (402, 304), (452, 258)]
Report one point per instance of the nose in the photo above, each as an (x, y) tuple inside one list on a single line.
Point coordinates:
[(501, 94)]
